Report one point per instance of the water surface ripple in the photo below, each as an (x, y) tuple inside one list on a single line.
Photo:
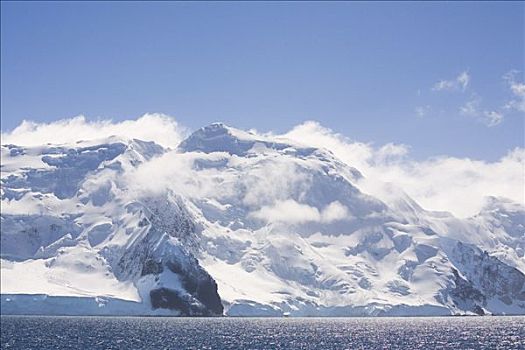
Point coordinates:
[(35, 332)]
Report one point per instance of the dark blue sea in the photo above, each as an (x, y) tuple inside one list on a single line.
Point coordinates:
[(35, 332)]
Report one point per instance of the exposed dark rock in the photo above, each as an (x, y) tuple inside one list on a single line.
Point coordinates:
[(491, 276), (407, 270), (143, 222), (186, 304), (465, 296), (151, 266), (199, 284), (483, 277), (164, 298)]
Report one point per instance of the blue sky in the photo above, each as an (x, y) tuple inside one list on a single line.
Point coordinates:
[(370, 71)]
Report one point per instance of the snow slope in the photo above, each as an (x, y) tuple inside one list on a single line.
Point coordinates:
[(243, 224)]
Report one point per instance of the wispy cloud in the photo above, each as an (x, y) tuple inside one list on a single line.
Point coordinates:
[(492, 118), (422, 111), (473, 108), (460, 83), (291, 212), (517, 89)]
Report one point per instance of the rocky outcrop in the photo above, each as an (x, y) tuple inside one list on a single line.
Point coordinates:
[(484, 280)]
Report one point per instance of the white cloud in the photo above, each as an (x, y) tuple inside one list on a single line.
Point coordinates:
[(472, 108), (460, 83), (249, 184), (291, 212), (177, 172), (150, 127), (422, 111), (313, 134), (458, 185), (287, 211), (271, 181), (333, 212), (517, 88), (463, 80), (492, 118), (390, 152)]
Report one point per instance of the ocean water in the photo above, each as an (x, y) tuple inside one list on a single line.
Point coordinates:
[(35, 332)]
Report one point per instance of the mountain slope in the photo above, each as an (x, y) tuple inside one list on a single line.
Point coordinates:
[(243, 224)]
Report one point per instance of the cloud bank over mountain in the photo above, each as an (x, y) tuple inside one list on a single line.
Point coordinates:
[(442, 183), (161, 128)]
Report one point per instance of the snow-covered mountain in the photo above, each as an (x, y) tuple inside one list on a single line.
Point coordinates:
[(238, 223)]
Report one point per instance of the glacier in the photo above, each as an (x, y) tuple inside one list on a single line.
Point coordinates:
[(237, 223)]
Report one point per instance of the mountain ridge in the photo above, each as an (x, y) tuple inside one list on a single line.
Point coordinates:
[(243, 224)]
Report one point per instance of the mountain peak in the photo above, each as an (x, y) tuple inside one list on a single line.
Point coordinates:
[(218, 137), (218, 128), (220, 125)]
